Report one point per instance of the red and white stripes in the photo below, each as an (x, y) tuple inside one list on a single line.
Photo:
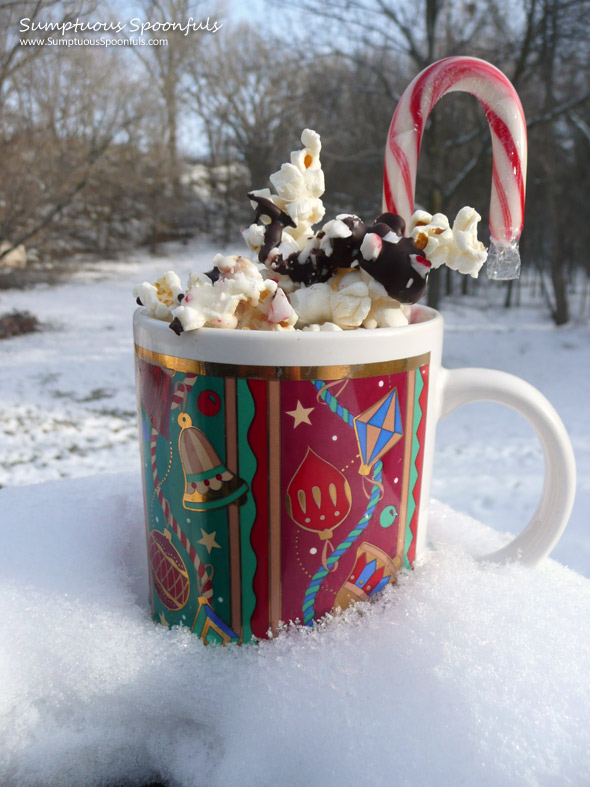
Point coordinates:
[(181, 391), (507, 126), (204, 577)]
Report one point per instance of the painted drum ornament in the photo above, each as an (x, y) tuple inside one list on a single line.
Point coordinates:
[(507, 123), (168, 571)]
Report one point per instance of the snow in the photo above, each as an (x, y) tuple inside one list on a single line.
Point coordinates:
[(463, 673)]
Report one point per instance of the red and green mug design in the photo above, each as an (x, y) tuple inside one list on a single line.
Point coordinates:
[(277, 494)]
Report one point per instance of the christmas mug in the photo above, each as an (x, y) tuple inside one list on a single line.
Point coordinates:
[(287, 474)]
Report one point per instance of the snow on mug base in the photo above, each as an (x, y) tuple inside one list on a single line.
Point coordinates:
[(277, 487)]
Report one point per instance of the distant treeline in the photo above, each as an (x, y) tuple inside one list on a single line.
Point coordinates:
[(106, 148)]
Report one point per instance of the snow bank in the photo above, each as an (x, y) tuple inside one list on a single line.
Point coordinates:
[(464, 673)]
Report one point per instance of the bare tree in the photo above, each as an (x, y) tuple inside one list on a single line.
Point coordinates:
[(167, 66), (250, 105), (60, 120)]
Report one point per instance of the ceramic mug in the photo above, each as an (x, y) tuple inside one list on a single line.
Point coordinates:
[(287, 474)]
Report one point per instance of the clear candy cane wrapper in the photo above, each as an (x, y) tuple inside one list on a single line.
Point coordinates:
[(505, 116)]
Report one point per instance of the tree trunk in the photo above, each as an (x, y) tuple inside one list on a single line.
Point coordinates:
[(172, 141), (448, 282), (550, 29), (561, 310), (508, 298)]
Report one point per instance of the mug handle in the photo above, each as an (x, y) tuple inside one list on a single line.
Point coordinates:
[(461, 386)]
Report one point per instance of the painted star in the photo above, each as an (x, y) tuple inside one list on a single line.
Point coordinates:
[(209, 540), (300, 414)]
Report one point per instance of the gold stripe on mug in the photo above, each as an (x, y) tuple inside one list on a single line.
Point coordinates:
[(251, 372)]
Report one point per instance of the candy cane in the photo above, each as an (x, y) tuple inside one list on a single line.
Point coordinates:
[(203, 575), (507, 124)]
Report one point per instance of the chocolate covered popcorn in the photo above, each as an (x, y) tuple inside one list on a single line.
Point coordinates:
[(345, 275)]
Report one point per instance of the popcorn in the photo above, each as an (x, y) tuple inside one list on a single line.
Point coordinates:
[(433, 236), (471, 253), (345, 276), (312, 304), (458, 248), (254, 237), (325, 326), (350, 303), (386, 313), (308, 159), (160, 297)]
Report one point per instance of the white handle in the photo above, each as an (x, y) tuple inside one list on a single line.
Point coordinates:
[(460, 386)]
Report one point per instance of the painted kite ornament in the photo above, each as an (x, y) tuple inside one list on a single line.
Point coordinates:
[(377, 430)]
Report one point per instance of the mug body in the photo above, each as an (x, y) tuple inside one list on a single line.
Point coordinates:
[(286, 474)]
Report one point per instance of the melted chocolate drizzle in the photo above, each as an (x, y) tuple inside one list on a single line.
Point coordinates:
[(273, 231), (400, 266), (393, 268), (176, 326)]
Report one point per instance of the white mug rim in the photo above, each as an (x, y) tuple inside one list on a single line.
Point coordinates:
[(292, 348)]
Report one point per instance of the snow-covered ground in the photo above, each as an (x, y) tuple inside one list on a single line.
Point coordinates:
[(68, 400), (465, 673)]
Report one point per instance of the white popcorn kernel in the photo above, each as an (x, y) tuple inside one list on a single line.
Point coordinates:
[(311, 140), (418, 217), (315, 184), (336, 228), (254, 237), (289, 183), (288, 245), (198, 279), (161, 297), (308, 211), (471, 253), (312, 304), (350, 305), (190, 319), (325, 326), (386, 313), (353, 277), (433, 236)]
